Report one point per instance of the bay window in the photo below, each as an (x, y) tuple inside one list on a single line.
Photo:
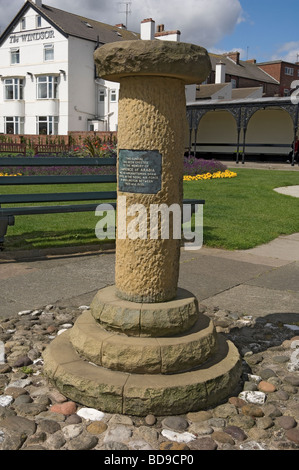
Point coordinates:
[(47, 125), (47, 87), (13, 125), (13, 89)]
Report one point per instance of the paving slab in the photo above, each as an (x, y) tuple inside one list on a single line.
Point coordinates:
[(262, 280)]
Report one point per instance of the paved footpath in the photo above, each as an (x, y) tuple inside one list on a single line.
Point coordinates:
[(260, 281)]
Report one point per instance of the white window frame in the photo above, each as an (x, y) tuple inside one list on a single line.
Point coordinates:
[(48, 48), (50, 124), (113, 96), (48, 83), (17, 123), (15, 56), (102, 95), (38, 21), (17, 89), (289, 71)]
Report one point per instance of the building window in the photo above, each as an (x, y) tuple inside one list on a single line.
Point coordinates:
[(47, 87), (15, 56), (38, 21), (113, 96), (13, 89), (289, 71), (101, 96), (47, 125), (23, 23), (14, 125), (48, 52), (234, 83), (286, 92)]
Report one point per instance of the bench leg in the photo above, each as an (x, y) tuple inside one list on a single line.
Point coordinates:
[(4, 223)]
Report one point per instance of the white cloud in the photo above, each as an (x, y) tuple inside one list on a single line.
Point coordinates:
[(203, 22), (288, 52)]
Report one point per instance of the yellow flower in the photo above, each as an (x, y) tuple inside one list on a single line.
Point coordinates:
[(208, 176)]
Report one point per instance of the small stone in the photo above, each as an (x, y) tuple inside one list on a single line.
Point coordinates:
[(253, 397), (225, 411), (199, 416), (72, 430), (142, 445), (97, 427), (5, 368), (90, 414), (168, 445), (281, 359), (264, 423), (266, 387), (19, 424), (24, 312), (5, 400), (111, 445), (216, 423), (204, 443), (252, 445), (286, 422), (175, 423), (201, 429), (292, 379), (49, 426), (282, 395), (293, 435), (252, 410), (56, 397), (223, 437), (236, 433), (271, 410), (249, 387), (73, 419), (178, 437), (67, 408), (56, 441), (121, 419), (119, 433), (20, 383), (236, 401), (150, 420), (267, 373)]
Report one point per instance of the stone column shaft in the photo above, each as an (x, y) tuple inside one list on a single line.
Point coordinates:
[(152, 117)]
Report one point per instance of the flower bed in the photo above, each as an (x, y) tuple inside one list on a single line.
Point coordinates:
[(209, 176), (196, 169)]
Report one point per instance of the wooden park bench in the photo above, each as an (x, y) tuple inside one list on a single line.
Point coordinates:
[(8, 213), (6, 147), (46, 149)]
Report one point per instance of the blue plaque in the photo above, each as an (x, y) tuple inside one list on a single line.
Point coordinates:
[(139, 171)]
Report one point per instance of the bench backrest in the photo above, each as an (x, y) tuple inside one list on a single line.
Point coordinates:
[(56, 162), (12, 147)]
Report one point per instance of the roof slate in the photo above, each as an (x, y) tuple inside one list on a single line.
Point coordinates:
[(243, 69), (76, 25)]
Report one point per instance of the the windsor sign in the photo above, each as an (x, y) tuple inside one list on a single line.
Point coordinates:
[(27, 37)]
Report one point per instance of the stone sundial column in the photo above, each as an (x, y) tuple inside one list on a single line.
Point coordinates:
[(151, 141), (145, 345)]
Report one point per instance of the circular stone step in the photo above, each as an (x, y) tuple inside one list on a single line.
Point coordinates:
[(145, 319), (142, 394), (143, 355)]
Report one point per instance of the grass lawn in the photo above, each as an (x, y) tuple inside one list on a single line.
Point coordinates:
[(239, 213)]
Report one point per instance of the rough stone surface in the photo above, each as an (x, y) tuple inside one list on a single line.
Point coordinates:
[(186, 62), (276, 430)]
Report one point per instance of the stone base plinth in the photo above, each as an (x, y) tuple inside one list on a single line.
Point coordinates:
[(121, 373)]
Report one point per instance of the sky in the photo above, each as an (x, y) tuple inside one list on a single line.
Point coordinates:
[(260, 29)]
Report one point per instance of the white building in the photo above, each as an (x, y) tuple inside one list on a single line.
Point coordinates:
[(48, 82)]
